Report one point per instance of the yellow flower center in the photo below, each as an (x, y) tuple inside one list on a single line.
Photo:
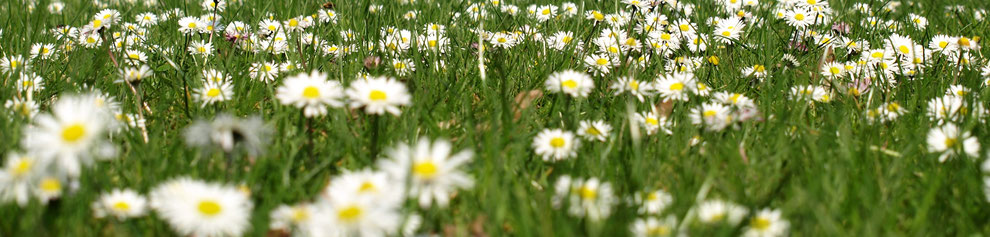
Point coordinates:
[(23, 166), (904, 49), (943, 44), (684, 27), (835, 70), (569, 84), (726, 33), (425, 169), (876, 55), (760, 223), (709, 113), (601, 61), (652, 121), (587, 193), (759, 68), (557, 142), (349, 214), (209, 208), (677, 86), (213, 92), (799, 17), (963, 41), (950, 142), (546, 11), (51, 185), (73, 133), (122, 206), (311, 92), (293, 22), (366, 186), (299, 214), (634, 85), (658, 231), (377, 95)]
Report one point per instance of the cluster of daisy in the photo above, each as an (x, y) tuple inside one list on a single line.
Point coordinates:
[(369, 202)]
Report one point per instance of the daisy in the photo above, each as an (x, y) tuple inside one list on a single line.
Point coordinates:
[(49, 188), (545, 13), (353, 215), (767, 223), (758, 71), (121, 204), (589, 198), (653, 202), (226, 132), (594, 130), (11, 64), (675, 86), (919, 22), (555, 144), (146, 19), (403, 67), (67, 136), (654, 227), (265, 71), (833, 70), (729, 30), (301, 219), (652, 122), (23, 106), (902, 45), (633, 86), (718, 211), (378, 95), (190, 25), (799, 18), (948, 139), (600, 63), (19, 173), (713, 116), (201, 48), (378, 185), (30, 82), (213, 92), (43, 51), (570, 82), (196, 208), (312, 93), (134, 74), (434, 173)]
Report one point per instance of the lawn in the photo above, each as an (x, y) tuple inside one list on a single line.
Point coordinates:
[(494, 118)]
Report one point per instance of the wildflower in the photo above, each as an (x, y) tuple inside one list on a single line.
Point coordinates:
[(433, 172), (555, 144), (378, 95), (312, 93)]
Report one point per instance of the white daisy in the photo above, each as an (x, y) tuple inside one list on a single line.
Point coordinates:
[(311, 92), (434, 173), (121, 204), (196, 208), (555, 144), (570, 82), (378, 95)]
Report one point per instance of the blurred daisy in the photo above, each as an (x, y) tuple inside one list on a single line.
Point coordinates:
[(949, 139), (201, 48), (22, 106), (196, 208), (434, 173), (555, 144), (653, 123), (311, 92), (226, 132), (121, 204), (718, 211), (378, 95), (68, 135), (301, 219), (600, 63), (654, 227), (767, 223), (712, 116), (353, 215), (675, 86), (19, 174), (42, 51), (134, 74), (634, 87), (589, 198), (653, 202), (570, 82), (12, 64), (594, 130)]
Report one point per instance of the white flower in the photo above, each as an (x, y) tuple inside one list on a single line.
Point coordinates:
[(301, 218), (653, 123), (196, 208), (570, 82), (435, 174), (633, 86), (767, 223), (653, 202), (120, 203), (555, 144), (312, 92), (19, 174), (675, 86), (134, 74), (654, 227), (213, 92), (600, 64), (713, 116), (354, 215), (68, 136), (948, 138), (594, 130), (718, 211), (589, 198), (378, 95)]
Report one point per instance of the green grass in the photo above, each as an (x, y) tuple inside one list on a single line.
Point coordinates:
[(816, 163)]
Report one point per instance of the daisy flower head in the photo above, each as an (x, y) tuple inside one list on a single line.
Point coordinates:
[(378, 95), (190, 25), (675, 86), (654, 227), (134, 74), (653, 202), (12, 63), (355, 215), (403, 67), (718, 211), (545, 13), (42, 51), (22, 106), (196, 208), (949, 140), (767, 223), (30, 82), (300, 219), (712, 116), (601, 64), (311, 92), (555, 144), (213, 92), (227, 133), (69, 135), (590, 198), (378, 185), (653, 123), (758, 71), (570, 82), (433, 171), (19, 173), (121, 204), (201, 48), (799, 18), (596, 130), (729, 30), (634, 87), (265, 71)]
